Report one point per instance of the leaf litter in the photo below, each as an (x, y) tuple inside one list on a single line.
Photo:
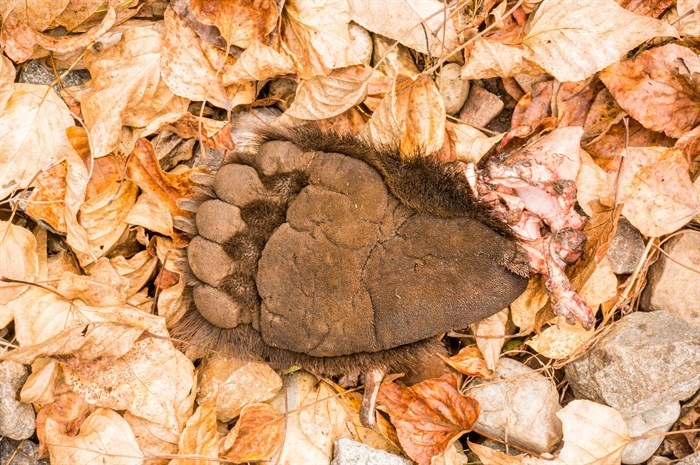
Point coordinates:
[(90, 253)]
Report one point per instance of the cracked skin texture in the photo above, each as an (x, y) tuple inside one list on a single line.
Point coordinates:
[(314, 253)]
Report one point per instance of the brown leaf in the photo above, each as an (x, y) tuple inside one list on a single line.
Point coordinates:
[(200, 437), (470, 362), (18, 260), (316, 36), (574, 100), (603, 114), (652, 8), (127, 91), (68, 411), (194, 69), (39, 14), (104, 438), (659, 88), (532, 113), (422, 26), (488, 58), (143, 168), (412, 113), (153, 381), (258, 434), (7, 79), (33, 135), (573, 40), (232, 383), (323, 97), (241, 22), (428, 416), (655, 187), (212, 133), (21, 42)]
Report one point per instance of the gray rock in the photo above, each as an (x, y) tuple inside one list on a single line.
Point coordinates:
[(34, 72), (626, 248), (16, 418), (19, 453), (518, 406), (349, 452), (690, 460), (673, 287), (658, 420), (453, 88), (645, 361)]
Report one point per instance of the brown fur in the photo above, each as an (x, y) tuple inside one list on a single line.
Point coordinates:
[(420, 184)]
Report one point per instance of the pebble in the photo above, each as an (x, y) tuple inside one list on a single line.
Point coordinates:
[(350, 452), (481, 107), (453, 88), (519, 406), (673, 287), (645, 361), (16, 419), (23, 452), (626, 248), (658, 420)]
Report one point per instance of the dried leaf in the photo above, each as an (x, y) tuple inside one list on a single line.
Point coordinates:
[(39, 14), (488, 59), (200, 437), (104, 438), (102, 215), (172, 303), (412, 113), (470, 143), (68, 412), (7, 78), (258, 62), (87, 342), (194, 69), (594, 434), (18, 260), (601, 286), (33, 135), (21, 42), (470, 362), (525, 308), (655, 187), (315, 418), (152, 381), (575, 39), (127, 90), (659, 88), (560, 340), (422, 25), (689, 15), (490, 335), (316, 36), (240, 23), (428, 416), (258, 434), (592, 184), (164, 188), (233, 383), (212, 133), (323, 97)]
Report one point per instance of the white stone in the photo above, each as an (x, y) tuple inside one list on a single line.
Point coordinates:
[(518, 406)]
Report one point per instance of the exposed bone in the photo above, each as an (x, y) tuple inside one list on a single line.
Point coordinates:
[(373, 379)]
